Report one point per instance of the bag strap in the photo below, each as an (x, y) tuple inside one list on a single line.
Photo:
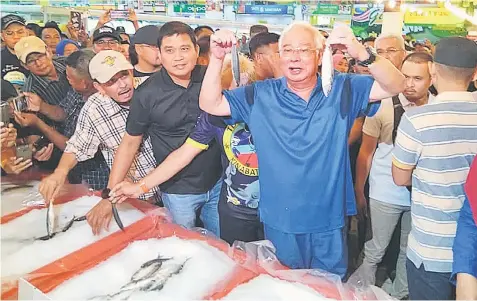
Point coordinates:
[(398, 112)]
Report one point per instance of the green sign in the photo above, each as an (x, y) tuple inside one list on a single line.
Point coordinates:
[(332, 9), (189, 8)]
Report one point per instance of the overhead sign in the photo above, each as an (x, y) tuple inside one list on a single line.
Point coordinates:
[(434, 15), (268, 10), (190, 8), (332, 9)]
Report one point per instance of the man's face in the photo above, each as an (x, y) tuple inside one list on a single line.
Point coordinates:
[(40, 64), (179, 55), (418, 80), (149, 53), (69, 49), (79, 84), (13, 33), (106, 44), (120, 87), (299, 57), (51, 37), (391, 49), (267, 60)]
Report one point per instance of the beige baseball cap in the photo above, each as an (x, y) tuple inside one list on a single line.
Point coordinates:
[(106, 64), (27, 46)]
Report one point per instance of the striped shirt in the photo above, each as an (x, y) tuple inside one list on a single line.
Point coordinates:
[(50, 91), (438, 141), (101, 125)]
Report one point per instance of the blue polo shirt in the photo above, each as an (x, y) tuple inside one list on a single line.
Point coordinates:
[(302, 149)]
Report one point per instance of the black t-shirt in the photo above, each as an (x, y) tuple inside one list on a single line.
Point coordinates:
[(12, 70), (167, 113), (140, 77)]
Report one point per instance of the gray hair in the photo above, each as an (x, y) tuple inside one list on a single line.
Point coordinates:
[(397, 37), (79, 61), (318, 37)]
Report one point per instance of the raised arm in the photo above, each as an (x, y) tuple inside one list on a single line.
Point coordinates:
[(211, 99), (389, 81)]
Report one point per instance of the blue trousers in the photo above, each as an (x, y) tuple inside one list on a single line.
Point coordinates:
[(424, 285), (184, 208), (322, 250)]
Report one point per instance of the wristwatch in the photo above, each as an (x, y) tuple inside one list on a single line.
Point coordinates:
[(105, 193), (371, 59), (143, 187)]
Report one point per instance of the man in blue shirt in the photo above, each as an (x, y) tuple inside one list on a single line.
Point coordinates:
[(301, 139), (464, 269)]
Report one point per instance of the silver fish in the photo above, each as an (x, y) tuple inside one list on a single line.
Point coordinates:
[(50, 219), (158, 279), (16, 187), (327, 70), (235, 65), (148, 269)]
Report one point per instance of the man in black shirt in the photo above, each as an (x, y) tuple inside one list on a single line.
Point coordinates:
[(48, 80), (144, 53), (13, 29), (166, 108)]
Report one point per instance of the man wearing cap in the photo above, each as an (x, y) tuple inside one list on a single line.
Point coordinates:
[(145, 54), (435, 146), (47, 79), (106, 38), (13, 29), (101, 126)]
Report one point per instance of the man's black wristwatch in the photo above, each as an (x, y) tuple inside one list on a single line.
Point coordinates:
[(370, 60), (105, 193)]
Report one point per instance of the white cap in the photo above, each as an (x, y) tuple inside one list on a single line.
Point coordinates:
[(106, 64)]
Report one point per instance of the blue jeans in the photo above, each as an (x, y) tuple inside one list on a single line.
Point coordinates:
[(184, 208), (321, 250), (424, 285)]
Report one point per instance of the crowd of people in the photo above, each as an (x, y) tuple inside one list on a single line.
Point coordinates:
[(161, 117)]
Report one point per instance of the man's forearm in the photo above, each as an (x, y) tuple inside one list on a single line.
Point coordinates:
[(124, 158), (211, 96), (55, 113), (56, 138), (67, 162), (363, 166), (173, 164), (387, 75)]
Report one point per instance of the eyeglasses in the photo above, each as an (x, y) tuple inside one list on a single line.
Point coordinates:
[(302, 52), (119, 76), (155, 48), (391, 51), (106, 42), (41, 57)]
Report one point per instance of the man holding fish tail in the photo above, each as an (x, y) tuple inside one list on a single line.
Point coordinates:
[(301, 137)]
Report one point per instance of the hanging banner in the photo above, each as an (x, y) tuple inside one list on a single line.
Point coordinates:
[(265, 10), (434, 15), (367, 21)]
